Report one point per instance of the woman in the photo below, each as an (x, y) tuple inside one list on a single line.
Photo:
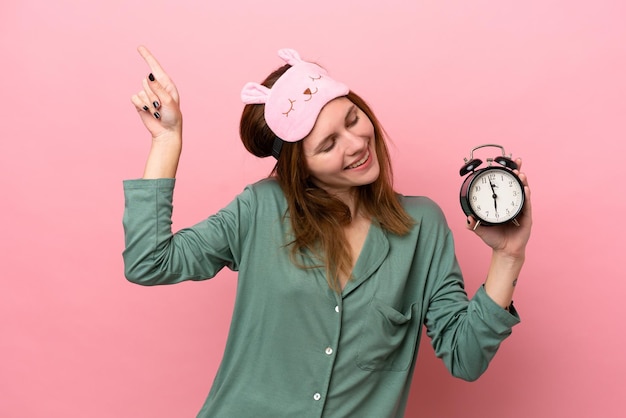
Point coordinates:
[(337, 272)]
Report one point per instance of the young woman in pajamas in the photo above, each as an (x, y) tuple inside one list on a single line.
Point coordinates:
[(337, 273)]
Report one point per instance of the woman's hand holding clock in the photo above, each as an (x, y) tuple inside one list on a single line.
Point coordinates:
[(508, 239), (508, 243)]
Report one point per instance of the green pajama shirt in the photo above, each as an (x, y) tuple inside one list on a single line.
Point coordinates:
[(295, 347)]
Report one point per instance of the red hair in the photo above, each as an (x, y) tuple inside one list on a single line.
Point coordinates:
[(318, 218)]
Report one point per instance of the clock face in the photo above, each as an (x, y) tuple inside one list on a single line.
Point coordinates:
[(495, 195)]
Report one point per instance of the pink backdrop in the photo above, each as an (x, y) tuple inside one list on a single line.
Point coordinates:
[(544, 78)]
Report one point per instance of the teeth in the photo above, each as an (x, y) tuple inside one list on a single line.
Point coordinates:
[(360, 162)]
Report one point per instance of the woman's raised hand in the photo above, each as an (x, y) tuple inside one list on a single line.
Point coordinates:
[(158, 105), (158, 102)]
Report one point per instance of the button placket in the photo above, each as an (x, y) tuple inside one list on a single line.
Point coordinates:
[(329, 351)]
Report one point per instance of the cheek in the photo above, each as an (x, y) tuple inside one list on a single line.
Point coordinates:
[(367, 127), (318, 166), (333, 165), (330, 166)]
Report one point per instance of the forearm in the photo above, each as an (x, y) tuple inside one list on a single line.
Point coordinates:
[(163, 157), (502, 278)]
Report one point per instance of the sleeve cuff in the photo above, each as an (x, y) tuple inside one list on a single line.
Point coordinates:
[(502, 316), (165, 183)]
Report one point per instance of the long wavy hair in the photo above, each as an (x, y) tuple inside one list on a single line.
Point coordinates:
[(317, 218)]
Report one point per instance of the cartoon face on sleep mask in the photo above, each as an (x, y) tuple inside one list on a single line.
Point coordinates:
[(295, 100)]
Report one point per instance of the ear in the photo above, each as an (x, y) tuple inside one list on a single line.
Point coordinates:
[(254, 93), (290, 56)]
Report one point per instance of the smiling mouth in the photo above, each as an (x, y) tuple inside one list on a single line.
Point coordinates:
[(360, 162)]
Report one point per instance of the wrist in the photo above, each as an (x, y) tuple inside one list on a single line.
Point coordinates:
[(502, 278), (513, 258), (163, 157), (169, 138)]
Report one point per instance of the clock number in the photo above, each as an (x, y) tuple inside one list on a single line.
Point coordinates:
[(477, 188)]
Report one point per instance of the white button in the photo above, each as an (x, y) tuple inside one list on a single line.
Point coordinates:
[(329, 351), (317, 396), (337, 308)]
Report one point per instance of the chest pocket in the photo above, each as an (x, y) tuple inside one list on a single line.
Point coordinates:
[(388, 339)]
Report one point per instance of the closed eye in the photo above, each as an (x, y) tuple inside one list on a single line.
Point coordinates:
[(315, 78), (332, 141), (353, 116), (291, 102)]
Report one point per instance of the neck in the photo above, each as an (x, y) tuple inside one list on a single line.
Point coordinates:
[(350, 199)]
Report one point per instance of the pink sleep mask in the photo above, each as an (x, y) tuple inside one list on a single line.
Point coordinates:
[(296, 98)]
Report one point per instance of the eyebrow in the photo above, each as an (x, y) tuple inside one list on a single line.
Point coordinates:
[(323, 142)]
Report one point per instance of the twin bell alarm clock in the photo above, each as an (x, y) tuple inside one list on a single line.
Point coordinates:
[(493, 195)]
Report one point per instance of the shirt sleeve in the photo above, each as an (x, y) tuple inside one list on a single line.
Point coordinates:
[(465, 334), (153, 255)]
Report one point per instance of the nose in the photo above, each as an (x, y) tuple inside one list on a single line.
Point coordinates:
[(355, 144)]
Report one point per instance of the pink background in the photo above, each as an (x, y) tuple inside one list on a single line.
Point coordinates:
[(544, 78)]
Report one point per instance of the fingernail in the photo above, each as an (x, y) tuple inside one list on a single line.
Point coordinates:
[(145, 108), (157, 115), (155, 104), (151, 77)]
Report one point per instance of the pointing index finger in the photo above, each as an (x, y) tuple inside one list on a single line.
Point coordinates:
[(152, 62)]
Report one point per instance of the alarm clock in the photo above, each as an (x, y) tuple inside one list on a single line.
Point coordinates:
[(493, 195)]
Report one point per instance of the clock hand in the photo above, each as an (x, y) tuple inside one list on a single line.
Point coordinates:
[(494, 195), (493, 187)]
